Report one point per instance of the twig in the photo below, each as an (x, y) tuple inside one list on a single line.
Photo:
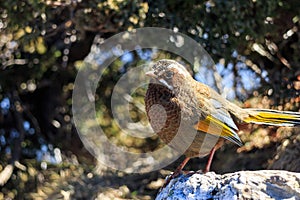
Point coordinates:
[(6, 174)]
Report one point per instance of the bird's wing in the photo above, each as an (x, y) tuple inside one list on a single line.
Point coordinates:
[(214, 126), (219, 112), (218, 120)]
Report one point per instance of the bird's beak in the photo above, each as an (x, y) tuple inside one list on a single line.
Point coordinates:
[(151, 74)]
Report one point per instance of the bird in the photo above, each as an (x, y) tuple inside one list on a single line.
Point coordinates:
[(200, 119)]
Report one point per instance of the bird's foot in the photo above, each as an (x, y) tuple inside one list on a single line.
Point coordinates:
[(172, 176), (178, 173)]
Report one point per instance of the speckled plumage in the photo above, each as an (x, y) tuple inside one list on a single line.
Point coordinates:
[(166, 124), (181, 110)]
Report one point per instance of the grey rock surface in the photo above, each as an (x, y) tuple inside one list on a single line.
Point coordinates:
[(264, 184)]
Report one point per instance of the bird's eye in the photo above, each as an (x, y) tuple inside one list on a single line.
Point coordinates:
[(169, 74)]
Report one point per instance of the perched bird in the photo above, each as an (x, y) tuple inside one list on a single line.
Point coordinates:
[(197, 116)]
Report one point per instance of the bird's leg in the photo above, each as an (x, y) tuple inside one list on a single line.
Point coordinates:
[(177, 171), (180, 167), (211, 155)]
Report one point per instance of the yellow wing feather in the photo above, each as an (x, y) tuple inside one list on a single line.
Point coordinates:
[(215, 127)]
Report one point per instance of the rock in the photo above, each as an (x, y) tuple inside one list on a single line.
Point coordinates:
[(264, 184)]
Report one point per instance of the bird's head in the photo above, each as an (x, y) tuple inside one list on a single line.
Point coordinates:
[(169, 73)]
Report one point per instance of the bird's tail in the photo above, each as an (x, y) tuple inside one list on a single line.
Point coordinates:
[(272, 117)]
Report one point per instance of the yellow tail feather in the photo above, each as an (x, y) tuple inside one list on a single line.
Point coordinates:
[(273, 117)]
